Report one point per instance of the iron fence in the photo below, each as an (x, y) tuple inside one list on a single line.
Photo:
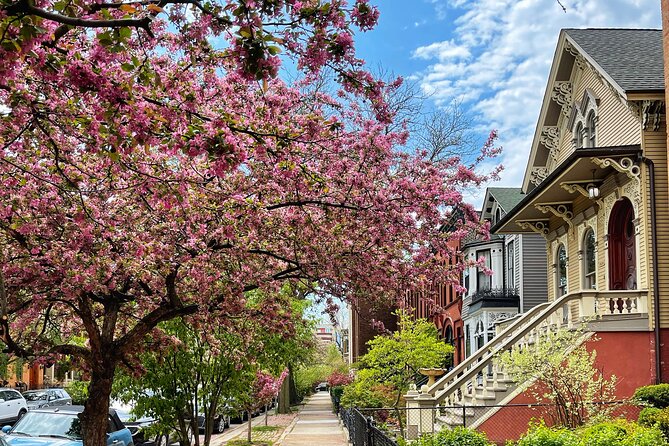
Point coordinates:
[(501, 423), (363, 430)]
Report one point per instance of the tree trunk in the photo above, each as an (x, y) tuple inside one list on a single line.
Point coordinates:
[(292, 387), (283, 403), (248, 434), (95, 417)]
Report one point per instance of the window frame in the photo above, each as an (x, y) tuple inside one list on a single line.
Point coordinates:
[(561, 288), (589, 259)]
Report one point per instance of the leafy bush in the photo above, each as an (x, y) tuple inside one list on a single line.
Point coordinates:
[(656, 395), (338, 378), (459, 436), (540, 435), (610, 433), (622, 433), (366, 392), (652, 416), (78, 390)]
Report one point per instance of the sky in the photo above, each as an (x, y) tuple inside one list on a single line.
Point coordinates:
[(493, 55)]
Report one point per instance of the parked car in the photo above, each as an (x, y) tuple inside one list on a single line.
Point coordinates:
[(37, 399), (60, 426), (321, 386), (12, 405), (138, 425)]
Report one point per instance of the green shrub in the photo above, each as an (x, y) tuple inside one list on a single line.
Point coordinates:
[(652, 416), (78, 390), (622, 433), (610, 433), (604, 434), (656, 395), (541, 435), (458, 436)]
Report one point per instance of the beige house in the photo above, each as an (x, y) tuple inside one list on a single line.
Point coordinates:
[(596, 185), (596, 189)]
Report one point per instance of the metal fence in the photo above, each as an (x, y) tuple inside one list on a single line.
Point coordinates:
[(363, 430), (501, 423)]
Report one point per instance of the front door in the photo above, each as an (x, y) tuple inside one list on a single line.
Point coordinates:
[(622, 247)]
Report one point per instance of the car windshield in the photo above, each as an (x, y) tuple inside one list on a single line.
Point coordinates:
[(35, 396), (49, 424)]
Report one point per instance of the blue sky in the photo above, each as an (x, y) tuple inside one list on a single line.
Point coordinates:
[(494, 55)]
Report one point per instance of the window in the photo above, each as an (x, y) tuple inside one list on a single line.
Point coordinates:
[(578, 136), (511, 265), (561, 278), (483, 280), (468, 345), (589, 262), (465, 280), (498, 215), (591, 129)]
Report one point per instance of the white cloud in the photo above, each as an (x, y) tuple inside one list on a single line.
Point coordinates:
[(443, 51), (499, 58)]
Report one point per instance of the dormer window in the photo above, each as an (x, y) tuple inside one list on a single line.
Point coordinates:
[(590, 123), (498, 215)]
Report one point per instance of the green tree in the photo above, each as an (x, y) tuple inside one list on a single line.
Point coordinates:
[(395, 359), (210, 368), (559, 370)]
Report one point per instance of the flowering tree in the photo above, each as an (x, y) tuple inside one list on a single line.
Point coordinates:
[(148, 175), (264, 389)]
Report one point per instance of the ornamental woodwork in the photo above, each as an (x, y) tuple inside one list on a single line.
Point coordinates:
[(561, 210), (541, 227), (651, 115), (538, 175), (623, 165), (550, 138), (562, 96)]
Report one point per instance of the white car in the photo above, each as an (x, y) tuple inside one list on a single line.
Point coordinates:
[(12, 406)]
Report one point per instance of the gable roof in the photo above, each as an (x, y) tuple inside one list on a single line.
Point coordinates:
[(506, 197), (632, 58)]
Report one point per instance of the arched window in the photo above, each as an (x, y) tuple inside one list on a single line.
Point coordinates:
[(590, 125), (448, 335), (498, 215), (578, 136), (561, 277), (622, 247), (589, 261)]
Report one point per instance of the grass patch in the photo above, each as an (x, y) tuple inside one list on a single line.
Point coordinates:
[(265, 428), (239, 442)]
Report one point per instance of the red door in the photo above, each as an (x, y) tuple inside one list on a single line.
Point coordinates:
[(622, 247)]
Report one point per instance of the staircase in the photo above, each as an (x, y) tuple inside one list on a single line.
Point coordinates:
[(469, 393)]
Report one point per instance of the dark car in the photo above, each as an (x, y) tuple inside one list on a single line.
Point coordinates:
[(36, 399), (60, 426), (138, 426)]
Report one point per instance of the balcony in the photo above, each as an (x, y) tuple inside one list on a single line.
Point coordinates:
[(495, 298)]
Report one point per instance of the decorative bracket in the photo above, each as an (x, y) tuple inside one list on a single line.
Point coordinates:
[(561, 210), (541, 227), (580, 186), (562, 95), (550, 138), (651, 113), (623, 165), (538, 175)]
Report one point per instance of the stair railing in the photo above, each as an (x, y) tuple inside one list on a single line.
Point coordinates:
[(521, 334)]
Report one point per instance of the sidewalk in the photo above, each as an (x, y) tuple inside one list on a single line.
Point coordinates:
[(315, 425)]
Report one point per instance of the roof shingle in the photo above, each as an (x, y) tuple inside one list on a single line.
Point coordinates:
[(632, 57)]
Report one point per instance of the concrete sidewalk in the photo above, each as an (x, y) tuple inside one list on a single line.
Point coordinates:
[(315, 425)]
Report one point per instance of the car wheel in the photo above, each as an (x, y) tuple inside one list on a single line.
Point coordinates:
[(161, 440), (219, 425)]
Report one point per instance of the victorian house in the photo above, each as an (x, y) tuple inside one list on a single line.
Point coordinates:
[(513, 279), (596, 190)]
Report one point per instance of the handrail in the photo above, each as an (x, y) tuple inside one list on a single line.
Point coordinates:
[(469, 374), (478, 354)]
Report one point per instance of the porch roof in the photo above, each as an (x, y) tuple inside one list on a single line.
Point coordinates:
[(578, 168)]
